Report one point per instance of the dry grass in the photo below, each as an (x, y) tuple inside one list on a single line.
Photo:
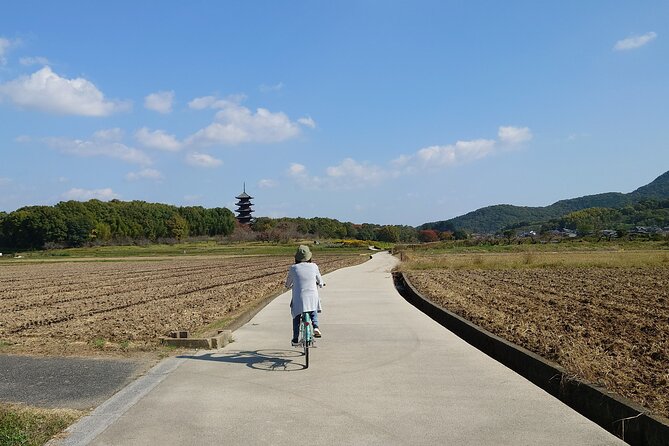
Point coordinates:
[(603, 316), (535, 259)]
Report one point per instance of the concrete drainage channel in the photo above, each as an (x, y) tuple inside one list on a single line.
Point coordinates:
[(621, 417)]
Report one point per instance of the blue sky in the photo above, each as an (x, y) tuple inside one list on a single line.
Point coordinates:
[(388, 112)]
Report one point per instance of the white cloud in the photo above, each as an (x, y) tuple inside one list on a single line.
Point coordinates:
[(201, 103), (268, 88), (23, 139), (5, 46), (298, 173), (236, 124), (27, 61), (307, 122), (634, 42), (296, 169), (347, 174), (350, 172), (577, 136), (5, 181), (45, 90), (514, 135), (145, 174), (115, 134), (214, 102), (85, 195), (158, 139), (267, 184), (104, 143), (439, 156), (202, 160), (161, 101), (458, 153)]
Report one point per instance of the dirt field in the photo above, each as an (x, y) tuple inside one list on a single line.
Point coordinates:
[(609, 326), (80, 307)]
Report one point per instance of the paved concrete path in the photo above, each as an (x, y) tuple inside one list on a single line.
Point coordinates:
[(383, 374)]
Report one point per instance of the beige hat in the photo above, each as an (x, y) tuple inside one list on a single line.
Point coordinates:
[(303, 254)]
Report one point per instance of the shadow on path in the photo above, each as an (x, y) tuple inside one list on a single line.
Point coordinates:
[(265, 360)]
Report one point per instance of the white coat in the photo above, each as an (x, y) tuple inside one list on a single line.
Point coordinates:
[(305, 279)]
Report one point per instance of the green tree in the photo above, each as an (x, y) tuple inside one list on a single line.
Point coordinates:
[(366, 232), (460, 234), (263, 224), (102, 232), (178, 227), (389, 234)]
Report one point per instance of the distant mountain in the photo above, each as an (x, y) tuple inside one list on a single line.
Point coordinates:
[(657, 189), (494, 218)]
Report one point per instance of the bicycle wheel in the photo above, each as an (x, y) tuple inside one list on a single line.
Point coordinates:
[(306, 324)]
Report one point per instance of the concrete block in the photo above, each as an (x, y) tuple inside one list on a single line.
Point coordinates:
[(187, 342), (223, 338)]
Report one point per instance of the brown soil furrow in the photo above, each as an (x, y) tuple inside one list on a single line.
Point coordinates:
[(23, 302), (64, 296), (609, 326), (113, 278), (28, 319), (129, 300)]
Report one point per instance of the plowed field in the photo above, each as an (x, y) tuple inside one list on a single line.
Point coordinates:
[(609, 326), (77, 306)]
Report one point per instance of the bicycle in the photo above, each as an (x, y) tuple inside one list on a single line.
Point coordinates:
[(306, 336)]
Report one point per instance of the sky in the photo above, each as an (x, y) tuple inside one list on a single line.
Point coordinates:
[(386, 112)]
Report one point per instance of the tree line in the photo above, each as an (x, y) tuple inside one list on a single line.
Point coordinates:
[(95, 222), (647, 212), (276, 229), (75, 223)]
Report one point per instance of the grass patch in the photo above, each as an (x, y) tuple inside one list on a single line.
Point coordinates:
[(188, 249), (534, 259), (580, 245), (213, 328), (165, 351), (31, 426), (99, 343)]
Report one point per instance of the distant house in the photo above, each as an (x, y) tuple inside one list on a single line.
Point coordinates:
[(608, 234), (563, 233), (647, 231)]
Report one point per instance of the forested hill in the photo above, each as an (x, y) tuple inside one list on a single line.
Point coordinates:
[(494, 218)]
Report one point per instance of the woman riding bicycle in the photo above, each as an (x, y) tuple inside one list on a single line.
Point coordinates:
[(304, 278)]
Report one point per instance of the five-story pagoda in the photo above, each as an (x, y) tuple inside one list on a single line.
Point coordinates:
[(244, 207)]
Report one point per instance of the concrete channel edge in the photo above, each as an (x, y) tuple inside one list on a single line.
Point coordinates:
[(620, 416)]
